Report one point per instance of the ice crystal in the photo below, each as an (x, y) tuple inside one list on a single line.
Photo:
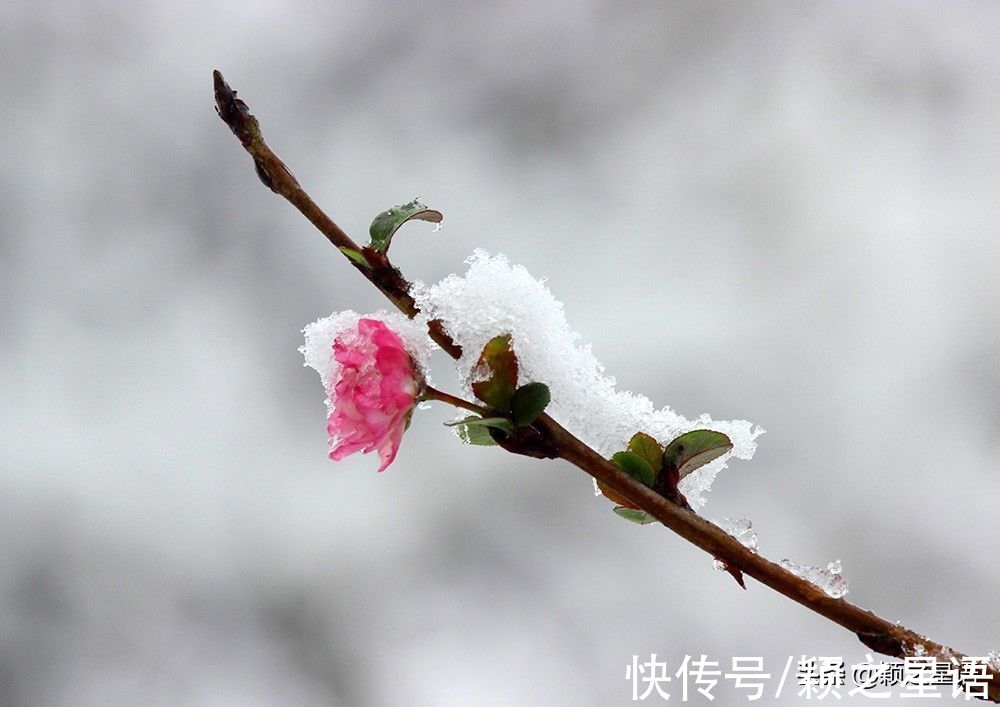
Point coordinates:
[(993, 659), (742, 530), (829, 579)]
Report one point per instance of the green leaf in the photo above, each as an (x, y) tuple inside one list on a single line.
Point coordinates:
[(528, 402), (497, 423), (635, 466), (387, 222), (695, 449), (634, 515), (496, 374), (644, 446), (356, 255), (478, 435)]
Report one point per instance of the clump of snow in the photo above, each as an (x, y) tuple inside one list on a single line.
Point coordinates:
[(494, 297), (993, 659), (742, 530), (318, 349), (829, 579)]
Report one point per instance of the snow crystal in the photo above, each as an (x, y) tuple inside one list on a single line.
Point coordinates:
[(318, 349), (494, 297), (829, 579), (742, 530)]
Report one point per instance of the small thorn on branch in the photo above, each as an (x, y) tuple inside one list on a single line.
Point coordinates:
[(734, 571)]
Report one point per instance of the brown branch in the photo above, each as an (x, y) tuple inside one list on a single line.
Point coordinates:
[(279, 179), (875, 632), (443, 397)]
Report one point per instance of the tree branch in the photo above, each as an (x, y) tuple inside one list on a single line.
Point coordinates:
[(443, 397), (279, 179), (875, 632)]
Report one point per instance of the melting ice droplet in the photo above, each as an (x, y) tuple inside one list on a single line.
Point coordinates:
[(829, 579)]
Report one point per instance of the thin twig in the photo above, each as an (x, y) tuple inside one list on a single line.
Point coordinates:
[(279, 179), (875, 632), (441, 396)]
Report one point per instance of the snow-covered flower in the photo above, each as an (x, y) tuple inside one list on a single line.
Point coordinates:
[(373, 384)]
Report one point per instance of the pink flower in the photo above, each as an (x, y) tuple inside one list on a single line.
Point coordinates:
[(373, 393)]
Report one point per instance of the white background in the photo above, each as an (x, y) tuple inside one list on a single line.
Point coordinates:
[(784, 212)]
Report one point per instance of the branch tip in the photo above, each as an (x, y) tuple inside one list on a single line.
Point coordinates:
[(233, 111)]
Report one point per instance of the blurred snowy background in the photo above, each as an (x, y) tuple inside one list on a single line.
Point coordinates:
[(783, 212)]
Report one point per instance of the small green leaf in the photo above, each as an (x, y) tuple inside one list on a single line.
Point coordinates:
[(634, 515), (387, 222), (497, 423), (644, 446), (356, 255), (496, 374), (528, 402), (477, 435), (635, 466), (464, 421), (695, 449)]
